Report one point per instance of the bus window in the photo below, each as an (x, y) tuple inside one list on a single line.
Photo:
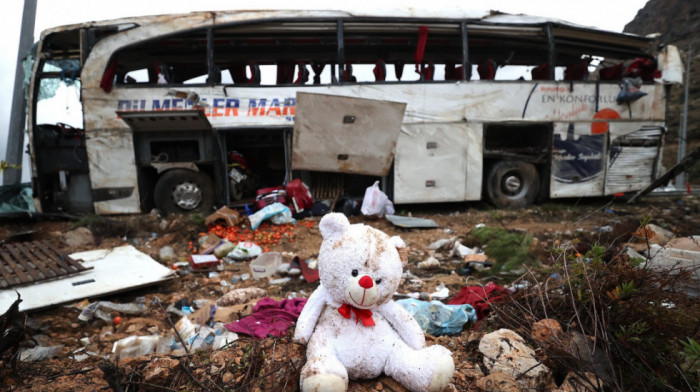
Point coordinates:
[(271, 54), (173, 60), (381, 52)]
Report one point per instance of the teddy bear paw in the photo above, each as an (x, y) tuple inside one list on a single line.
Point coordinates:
[(444, 369), (324, 383)]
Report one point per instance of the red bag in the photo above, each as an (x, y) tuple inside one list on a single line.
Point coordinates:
[(299, 196), (266, 196)]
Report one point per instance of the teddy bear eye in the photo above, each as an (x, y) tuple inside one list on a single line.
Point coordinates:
[(378, 280), (354, 273)]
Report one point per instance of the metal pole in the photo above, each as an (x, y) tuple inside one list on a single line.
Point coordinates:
[(680, 179), (15, 136)]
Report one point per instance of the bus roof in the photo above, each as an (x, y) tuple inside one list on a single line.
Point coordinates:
[(451, 13)]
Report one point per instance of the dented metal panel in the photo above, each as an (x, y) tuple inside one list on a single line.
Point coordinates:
[(345, 135), (113, 164), (632, 159), (438, 162)]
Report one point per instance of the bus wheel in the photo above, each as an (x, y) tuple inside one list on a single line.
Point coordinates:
[(182, 191), (512, 184)]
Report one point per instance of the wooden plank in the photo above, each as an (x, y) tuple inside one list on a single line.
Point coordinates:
[(16, 252), (43, 253), (7, 278), (37, 259), (72, 265), (15, 268), (61, 260)]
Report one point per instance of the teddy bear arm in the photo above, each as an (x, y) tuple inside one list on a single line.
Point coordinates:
[(404, 324), (309, 315)]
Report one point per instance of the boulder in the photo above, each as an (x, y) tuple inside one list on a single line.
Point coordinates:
[(505, 351), (79, 238)]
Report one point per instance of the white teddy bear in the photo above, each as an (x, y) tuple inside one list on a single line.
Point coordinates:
[(352, 326)]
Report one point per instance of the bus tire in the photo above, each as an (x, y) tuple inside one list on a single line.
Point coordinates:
[(182, 191), (512, 184)]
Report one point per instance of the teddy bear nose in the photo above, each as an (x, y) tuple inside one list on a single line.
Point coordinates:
[(366, 282)]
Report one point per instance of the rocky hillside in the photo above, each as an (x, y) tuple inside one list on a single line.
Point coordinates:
[(678, 22)]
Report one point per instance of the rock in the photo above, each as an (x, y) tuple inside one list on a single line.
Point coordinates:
[(505, 351), (166, 254), (546, 330), (498, 381), (158, 370), (79, 238)]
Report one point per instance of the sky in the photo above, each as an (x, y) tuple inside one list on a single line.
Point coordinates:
[(604, 14)]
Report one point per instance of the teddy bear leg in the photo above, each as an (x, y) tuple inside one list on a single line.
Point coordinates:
[(323, 372), (429, 369)]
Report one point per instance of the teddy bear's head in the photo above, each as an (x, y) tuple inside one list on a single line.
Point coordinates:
[(359, 265)]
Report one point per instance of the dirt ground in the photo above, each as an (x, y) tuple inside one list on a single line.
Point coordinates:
[(274, 363)]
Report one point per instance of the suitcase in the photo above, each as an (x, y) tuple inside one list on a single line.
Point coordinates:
[(266, 196), (299, 196)]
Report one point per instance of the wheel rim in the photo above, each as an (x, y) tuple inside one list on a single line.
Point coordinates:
[(512, 184), (187, 195)]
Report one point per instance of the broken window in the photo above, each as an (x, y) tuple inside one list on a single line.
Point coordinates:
[(173, 60), (269, 54), (406, 52)]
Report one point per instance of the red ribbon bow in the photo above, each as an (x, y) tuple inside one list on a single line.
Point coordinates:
[(360, 314)]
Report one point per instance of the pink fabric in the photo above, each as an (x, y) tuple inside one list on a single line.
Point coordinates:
[(480, 297), (269, 317)]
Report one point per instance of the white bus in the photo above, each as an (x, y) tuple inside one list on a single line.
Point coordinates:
[(187, 112)]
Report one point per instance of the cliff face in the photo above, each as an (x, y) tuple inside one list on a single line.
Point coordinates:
[(678, 22)]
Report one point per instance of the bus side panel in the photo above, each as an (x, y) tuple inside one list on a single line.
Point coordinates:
[(635, 150), (578, 164), (438, 163), (113, 171)]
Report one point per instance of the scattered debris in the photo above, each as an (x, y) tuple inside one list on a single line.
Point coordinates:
[(480, 297), (408, 222), (376, 203), (269, 317), (265, 265), (241, 296), (107, 271), (429, 263), (226, 215), (436, 318)]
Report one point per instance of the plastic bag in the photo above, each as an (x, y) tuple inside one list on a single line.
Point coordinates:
[(436, 318), (101, 310), (376, 202), (271, 212), (244, 251), (39, 353)]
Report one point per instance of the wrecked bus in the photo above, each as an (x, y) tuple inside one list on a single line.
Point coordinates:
[(185, 112)]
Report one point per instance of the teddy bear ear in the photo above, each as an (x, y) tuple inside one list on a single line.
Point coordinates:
[(333, 223), (401, 248)]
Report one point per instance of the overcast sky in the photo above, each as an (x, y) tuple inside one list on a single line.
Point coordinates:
[(605, 14)]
